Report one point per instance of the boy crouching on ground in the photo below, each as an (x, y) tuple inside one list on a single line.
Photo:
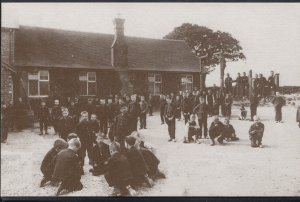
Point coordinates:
[(48, 162), (137, 163), (67, 169), (100, 156), (118, 173), (228, 131), (192, 130), (215, 131), (151, 160), (256, 132)]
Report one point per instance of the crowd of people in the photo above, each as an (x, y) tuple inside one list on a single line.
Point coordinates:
[(106, 130), (261, 86)]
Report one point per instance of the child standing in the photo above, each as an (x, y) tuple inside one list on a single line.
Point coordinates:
[(43, 116), (169, 115), (143, 113), (55, 115)]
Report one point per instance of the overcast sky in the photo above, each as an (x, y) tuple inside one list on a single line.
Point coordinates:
[(269, 33)]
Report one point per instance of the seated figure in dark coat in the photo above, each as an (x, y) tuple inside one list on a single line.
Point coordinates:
[(215, 131), (256, 132), (118, 174), (100, 156), (48, 162), (137, 163), (67, 169), (228, 131), (149, 156)]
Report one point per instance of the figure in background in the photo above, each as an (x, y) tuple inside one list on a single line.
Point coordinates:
[(278, 102)]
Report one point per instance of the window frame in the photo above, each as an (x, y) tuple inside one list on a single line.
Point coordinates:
[(155, 82), (38, 81), (186, 81), (87, 82)]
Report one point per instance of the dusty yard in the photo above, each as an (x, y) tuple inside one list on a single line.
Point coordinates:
[(232, 169)]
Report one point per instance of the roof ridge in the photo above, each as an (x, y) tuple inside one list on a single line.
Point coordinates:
[(85, 32)]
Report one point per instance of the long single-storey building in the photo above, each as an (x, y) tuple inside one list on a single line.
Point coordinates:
[(55, 63)]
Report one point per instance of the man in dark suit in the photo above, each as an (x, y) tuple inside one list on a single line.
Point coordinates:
[(271, 82), (245, 84), (228, 83), (238, 86), (134, 111), (262, 83), (170, 119), (201, 111)]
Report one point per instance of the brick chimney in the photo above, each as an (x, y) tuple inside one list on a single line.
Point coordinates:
[(119, 56), (119, 48)]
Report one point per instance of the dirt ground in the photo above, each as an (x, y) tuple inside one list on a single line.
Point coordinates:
[(232, 169)]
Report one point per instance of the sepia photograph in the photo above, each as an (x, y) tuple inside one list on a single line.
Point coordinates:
[(150, 99)]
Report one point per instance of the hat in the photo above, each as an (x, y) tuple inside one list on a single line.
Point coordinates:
[(60, 143), (130, 140), (72, 135)]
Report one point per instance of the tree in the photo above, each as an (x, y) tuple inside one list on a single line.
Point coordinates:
[(212, 48)]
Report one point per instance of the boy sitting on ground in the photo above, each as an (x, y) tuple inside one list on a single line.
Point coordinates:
[(192, 130), (243, 112), (137, 163), (215, 131), (118, 173), (228, 131), (100, 155), (151, 160), (67, 169), (48, 162)]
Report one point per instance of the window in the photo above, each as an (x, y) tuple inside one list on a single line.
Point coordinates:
[(38, 83), (187, 83), (87, 83), (155, 84)]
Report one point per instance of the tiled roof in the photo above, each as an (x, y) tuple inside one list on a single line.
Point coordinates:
[(60, 48)]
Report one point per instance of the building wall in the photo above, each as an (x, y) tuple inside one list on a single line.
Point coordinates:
[(6, 85), (171, 81)]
